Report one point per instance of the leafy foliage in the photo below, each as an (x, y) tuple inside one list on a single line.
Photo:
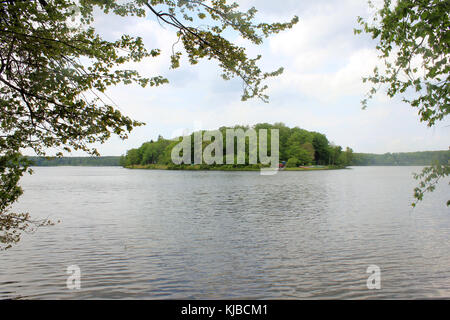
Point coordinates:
[(292, 163), (12, 167), (295, 143), (54, 74), (424, 158), (74, 161), (414, 42), (430, 176)]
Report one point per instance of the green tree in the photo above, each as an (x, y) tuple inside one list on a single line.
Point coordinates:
[(284, 133), (334, 153), (430, 177), (49, 98), (12, 167), (122, 160), (292, 163), (322, 152), (133, 157), (304, 153), (346, 157), (305, 157), (149, 154), (413, 38)]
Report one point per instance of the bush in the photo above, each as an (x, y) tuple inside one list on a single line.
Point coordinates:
[(292, 163)]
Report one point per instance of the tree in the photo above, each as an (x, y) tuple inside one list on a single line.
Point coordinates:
[(430, 177), (414, 42), (292, 163), (133, 157), (149, 153), (346, 158), (53, 75), (284, 133), (334, 154), (12, 167), (320, 144), (309, 147), (302, 155), (305, 157)]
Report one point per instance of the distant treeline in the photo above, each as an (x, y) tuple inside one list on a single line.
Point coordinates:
[(298, 147), (75, 161), (423, 158)]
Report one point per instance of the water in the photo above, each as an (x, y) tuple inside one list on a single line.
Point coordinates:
[(229, 235)]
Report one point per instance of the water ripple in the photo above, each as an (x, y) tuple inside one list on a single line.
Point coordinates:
[(229, 235)]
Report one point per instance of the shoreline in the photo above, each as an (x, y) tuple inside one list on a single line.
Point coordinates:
[(224, 168)]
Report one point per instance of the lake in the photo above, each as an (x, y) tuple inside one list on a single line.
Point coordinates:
[(229, 235)]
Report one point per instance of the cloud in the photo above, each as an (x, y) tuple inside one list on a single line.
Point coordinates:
[(328, 86), (320, 90)]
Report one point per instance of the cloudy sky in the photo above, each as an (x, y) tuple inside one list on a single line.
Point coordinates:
[(320, 90)]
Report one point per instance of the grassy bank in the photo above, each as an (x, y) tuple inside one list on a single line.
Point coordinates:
[(315, 168), (224, 167), (196, 167)]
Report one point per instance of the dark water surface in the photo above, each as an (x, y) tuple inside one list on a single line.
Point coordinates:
[(219, 235)]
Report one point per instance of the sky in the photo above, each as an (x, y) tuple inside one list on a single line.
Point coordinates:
[(320, 89)]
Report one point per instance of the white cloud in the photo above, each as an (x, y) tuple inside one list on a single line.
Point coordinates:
[(320, 90), (328, 86)]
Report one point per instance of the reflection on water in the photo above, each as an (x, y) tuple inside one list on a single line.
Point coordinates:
[(220, 235)]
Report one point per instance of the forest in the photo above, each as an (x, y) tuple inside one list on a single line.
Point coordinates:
[(298, 147), (74, 161), (423, 158), (357, 159)]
